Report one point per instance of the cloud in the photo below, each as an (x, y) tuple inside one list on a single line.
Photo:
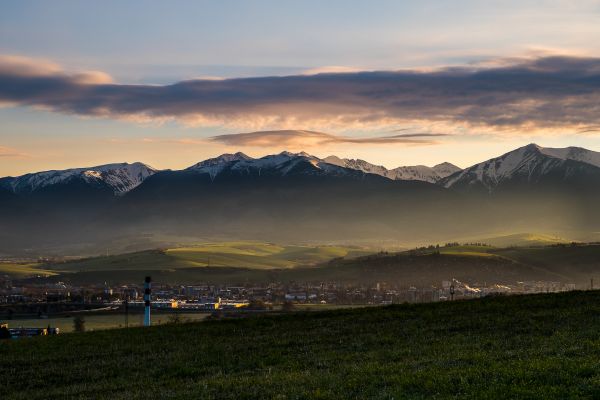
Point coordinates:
[(510, 95), (9, 152), (27, 68), (302, 138), (331, 69)]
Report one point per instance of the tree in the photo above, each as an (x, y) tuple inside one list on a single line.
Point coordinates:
[(79, 324)]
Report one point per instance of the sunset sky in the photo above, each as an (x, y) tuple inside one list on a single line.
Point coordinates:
[(392, 82)]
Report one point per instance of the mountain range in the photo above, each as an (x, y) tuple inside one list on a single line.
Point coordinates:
[(300, 197), (122, 178), (530, 165)]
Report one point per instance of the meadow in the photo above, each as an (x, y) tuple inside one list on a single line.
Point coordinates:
[(21, 270), (257, 262), (101, 321), (245, 254), (519, 347)]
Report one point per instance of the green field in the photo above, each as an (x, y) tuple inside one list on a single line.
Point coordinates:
[(256, 262), (100, 322), (519, 239), (18, 270), (518, 347), (254, 255)]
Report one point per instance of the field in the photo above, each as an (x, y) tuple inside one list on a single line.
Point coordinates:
[(99, 322), (23, 270), (256, 262), (537, 346), (254, 255)]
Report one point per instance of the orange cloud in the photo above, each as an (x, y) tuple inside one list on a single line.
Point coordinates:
[(303, 138), (10, 152)]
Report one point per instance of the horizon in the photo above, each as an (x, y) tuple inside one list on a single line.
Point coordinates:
[(295, 153)]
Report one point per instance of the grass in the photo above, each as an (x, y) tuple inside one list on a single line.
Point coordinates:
[(257, 262), (254, 262), (253, 255), (22, 270), (94, 322), (520, 347), (520, 239)]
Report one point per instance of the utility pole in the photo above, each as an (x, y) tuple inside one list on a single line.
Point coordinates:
[(591, 283), (147, 299)]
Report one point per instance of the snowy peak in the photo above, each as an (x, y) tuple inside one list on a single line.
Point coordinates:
[(222, 159), (121, 177), (445, 169), (359, 165), (573, 153), (417, 172), (527, 164), (239, 163)]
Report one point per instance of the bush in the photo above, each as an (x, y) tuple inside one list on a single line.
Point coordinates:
[(79, 324)]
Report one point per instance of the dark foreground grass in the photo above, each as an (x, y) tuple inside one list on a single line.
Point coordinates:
[(542, 346)]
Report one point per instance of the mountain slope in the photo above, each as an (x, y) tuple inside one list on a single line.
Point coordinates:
[(277, 165), (418, 172), (118, 178), (530, 166), (302, 198), (284, 195)]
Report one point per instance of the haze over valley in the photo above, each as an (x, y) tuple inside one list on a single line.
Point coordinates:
[(299, 198)]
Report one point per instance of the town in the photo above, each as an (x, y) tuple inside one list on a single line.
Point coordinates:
[(26, 298)]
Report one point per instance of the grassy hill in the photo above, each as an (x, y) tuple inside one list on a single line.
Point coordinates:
[(243, 255), (519, 239), (540, 346), (245, 262), (255, 255), (20, 270)]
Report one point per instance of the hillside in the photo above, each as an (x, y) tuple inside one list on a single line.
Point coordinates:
[(540, 346), (257, 262), (243, 254)]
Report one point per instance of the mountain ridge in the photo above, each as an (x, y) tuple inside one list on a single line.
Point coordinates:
[(120, 177), (299, 197), (525, 166)]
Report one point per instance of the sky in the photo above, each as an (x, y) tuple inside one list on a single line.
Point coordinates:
[(392, 82)]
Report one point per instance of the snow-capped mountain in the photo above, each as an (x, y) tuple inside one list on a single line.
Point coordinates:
[(120, 178), (281, 164), (220, 160), (296, 197), (284, 162), (410, 173), (529, 165), (423, 173)]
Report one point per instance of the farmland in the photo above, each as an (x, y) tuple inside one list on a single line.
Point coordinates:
[(248, 262), (99, 322)]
